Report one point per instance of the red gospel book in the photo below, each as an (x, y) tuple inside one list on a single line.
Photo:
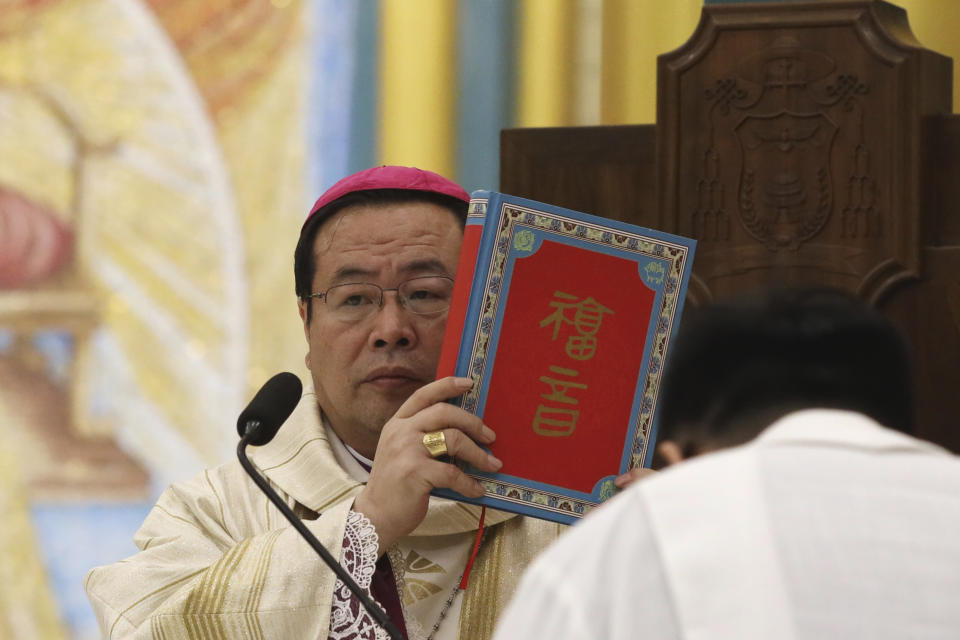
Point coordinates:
[(564, 321)]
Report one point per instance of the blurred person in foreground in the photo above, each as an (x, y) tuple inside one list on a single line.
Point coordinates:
[(357, 460), (807, 510)]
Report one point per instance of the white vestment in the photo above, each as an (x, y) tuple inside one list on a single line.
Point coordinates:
[(218, 560), (825, 526)]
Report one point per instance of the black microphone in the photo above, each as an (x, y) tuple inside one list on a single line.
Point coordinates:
[(269, 409), (257, 425)]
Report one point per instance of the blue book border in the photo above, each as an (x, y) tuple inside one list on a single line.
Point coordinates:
[(514, 228)]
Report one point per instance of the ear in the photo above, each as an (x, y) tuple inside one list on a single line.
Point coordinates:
[(302, 307), (670, 452), (302, 310)]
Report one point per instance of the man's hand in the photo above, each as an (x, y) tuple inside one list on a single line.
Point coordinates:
[(403, 475), (631, 476)]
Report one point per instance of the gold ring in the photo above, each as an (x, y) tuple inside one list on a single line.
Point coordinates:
[(436, 443)]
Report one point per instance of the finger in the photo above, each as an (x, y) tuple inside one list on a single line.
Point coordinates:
[(444, 475), (432, 393), (463, 448), (444, 415), (631, 476)]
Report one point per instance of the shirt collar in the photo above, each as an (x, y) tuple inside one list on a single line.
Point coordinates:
[(833, 427), (357, 466)]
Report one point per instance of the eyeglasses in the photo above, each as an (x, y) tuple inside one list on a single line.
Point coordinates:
[(356, 300)]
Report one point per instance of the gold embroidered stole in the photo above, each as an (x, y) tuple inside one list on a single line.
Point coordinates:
[(507, 551)]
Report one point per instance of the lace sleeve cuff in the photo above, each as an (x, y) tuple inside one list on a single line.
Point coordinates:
[(348, 619)]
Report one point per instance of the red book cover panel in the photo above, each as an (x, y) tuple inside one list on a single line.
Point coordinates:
[(462, 286), (568, 357)]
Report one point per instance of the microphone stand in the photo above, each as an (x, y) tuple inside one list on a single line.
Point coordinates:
[(375, 611)]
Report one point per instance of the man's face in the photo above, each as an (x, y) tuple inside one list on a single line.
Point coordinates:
[(363, 371)]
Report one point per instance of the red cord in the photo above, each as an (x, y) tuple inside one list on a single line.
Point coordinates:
[(476, 547)]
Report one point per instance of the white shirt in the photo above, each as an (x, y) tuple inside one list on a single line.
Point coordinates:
[(825, 526)]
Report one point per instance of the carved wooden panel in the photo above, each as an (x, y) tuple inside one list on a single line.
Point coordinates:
[(606, 171), (801, 144), (789, 139)]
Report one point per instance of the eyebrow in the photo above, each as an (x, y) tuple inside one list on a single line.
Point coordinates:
[(427, 266)]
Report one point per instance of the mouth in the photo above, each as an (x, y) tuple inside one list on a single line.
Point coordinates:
[(393, 378)]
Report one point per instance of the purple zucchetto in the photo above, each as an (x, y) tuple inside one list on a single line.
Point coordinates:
[(389, 177)]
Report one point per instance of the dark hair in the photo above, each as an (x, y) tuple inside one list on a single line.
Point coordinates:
[(739, 365), (304, 260)]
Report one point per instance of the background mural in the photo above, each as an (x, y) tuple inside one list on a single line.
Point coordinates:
[(156, 159)]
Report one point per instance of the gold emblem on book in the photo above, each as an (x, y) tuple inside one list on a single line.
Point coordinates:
[(654, 273), (607, 490), (523, 240)]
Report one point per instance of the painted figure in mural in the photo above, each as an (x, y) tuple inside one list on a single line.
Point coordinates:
[(811, 514), (374, 272)]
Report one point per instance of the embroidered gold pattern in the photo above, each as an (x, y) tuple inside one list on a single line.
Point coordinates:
[(417, 588)]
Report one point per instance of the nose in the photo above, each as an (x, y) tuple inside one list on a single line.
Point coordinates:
[(392, 325)]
